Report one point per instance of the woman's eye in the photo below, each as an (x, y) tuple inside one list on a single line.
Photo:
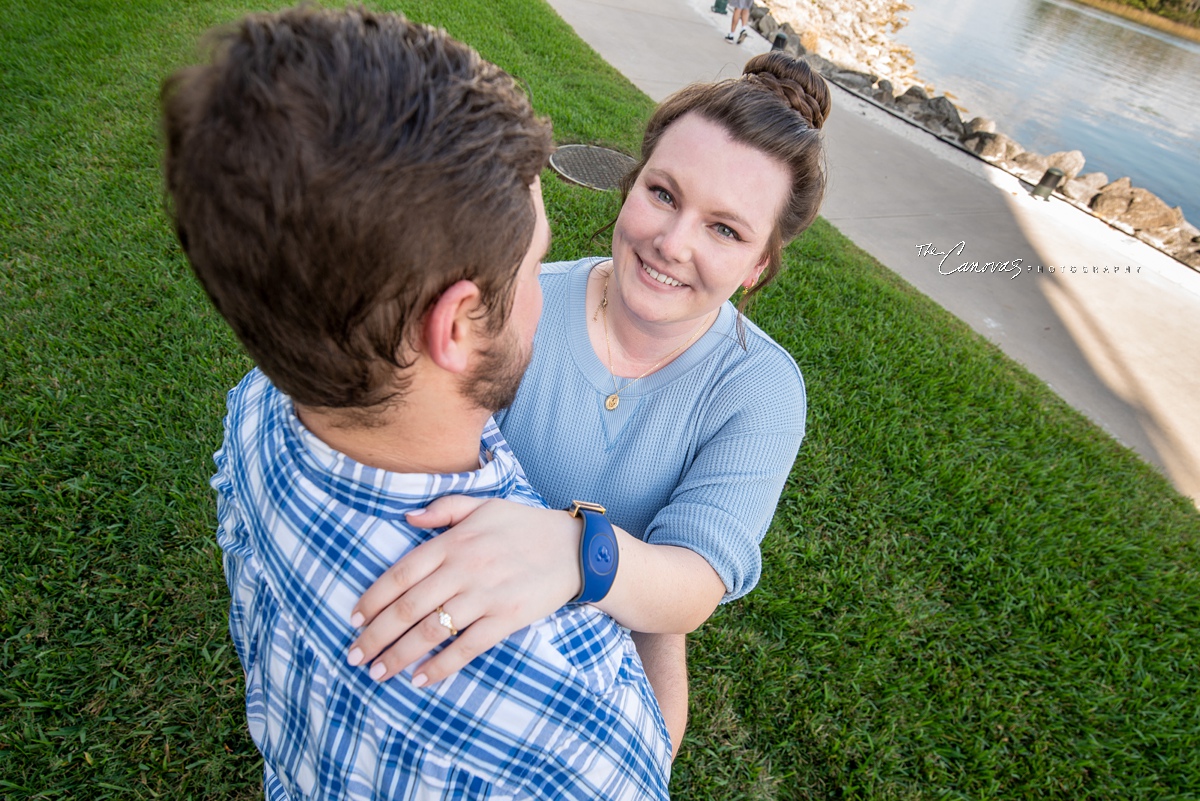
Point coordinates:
[(663, 195), (727, 232)]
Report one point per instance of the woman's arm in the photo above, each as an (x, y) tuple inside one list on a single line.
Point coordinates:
[(503, 565)]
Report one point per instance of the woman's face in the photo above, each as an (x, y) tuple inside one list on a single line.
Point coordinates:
[(696, 224)]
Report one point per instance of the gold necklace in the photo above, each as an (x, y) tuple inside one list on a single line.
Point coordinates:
[(614, 400)]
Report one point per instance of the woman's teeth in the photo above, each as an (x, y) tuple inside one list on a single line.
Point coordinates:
[(659, 277)]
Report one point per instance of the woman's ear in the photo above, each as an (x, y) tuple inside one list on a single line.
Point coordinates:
[(753, 277), (449, 329)]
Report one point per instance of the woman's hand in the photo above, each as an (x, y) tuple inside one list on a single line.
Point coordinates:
[(499, 568)]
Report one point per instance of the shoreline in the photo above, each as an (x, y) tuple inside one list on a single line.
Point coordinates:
[(848, 42), (1147, 18)]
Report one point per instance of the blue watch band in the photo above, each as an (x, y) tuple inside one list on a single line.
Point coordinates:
[(598, 552)]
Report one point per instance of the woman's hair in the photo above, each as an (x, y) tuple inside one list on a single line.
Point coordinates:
[(777, 107), (332, 173)]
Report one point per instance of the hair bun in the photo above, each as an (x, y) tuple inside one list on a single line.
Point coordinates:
[(796, 83)]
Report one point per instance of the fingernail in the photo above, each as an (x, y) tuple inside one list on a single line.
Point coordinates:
[(357, 620), (419, 680), (377, 670), (355, 657), (417, 513)]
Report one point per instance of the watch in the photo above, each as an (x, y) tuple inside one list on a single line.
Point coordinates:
[(598, 552)]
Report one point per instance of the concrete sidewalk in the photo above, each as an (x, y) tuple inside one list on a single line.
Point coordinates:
[(1114, 333)]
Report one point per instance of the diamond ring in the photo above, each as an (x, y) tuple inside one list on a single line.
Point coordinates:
[(445, 619)]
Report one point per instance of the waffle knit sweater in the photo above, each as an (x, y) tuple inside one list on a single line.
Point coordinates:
[(696, 454)]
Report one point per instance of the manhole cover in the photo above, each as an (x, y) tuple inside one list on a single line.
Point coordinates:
[(593, 167)]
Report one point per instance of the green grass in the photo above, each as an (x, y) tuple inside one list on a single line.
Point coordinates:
[(969, 591)]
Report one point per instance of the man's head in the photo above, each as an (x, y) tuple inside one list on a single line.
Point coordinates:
[(332, 175)]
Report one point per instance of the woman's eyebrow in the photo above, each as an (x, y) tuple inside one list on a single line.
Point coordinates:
[(665, 177)]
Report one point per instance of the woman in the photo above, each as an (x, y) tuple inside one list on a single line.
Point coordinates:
[(648, 394)]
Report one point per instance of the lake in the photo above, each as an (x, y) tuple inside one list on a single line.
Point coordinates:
[(1056, 75)]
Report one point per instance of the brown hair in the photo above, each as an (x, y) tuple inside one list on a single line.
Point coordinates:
[(332, 173), (777, 107)]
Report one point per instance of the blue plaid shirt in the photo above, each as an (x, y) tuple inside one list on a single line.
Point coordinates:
[(559, 710)]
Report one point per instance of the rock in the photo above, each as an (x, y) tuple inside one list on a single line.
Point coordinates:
[(1174, 239), (913, 95), (1085, 187), (1030, 164), (882, 93), (757, 13), (1134, 206), (1069, 161), (1185, 255), (995, 146), (943, 113), (1119, 185), (767, 26), (1148, 211), (788, 29), (853, 79), (1113, 199), (821, 65), (980, 125)]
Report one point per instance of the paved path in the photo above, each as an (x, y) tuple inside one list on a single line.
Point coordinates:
[(1122, 347)]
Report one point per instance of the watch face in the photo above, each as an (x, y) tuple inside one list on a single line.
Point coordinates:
[(601, 554)]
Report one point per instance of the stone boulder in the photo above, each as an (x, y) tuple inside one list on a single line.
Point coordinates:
[(979, 125), (913, 96), (1069, 161), (757, 13), (1083, 188), (1174, 239), (1113, 199), (766, 25), (821, 65), (1134, 206), (1149, 211), (883, 92), (994, 146), (945, 113), (1029, 165), (853, 79)]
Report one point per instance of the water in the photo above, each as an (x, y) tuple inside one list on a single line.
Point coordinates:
[(1055, 76)]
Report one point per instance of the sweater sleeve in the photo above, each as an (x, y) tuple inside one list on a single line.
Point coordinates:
[(726, 497)]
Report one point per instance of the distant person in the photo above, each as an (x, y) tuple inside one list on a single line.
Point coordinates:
[(739, 24), (649, 393), (360, 198)]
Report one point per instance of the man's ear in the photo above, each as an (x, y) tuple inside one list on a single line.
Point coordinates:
[(449, 328)]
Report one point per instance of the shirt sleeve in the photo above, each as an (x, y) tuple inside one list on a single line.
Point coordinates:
[(726, 497)]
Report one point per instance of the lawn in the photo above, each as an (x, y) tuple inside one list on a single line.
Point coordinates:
[(969, 591)]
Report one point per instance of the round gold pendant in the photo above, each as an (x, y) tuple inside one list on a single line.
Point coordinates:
[(611, 402)]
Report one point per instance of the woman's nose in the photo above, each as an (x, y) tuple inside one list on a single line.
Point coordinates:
[(674, 243)]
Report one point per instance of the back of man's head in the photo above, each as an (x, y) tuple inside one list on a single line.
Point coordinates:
[(331, 174)]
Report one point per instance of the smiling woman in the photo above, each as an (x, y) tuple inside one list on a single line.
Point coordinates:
[(695, 227), (648, 394)]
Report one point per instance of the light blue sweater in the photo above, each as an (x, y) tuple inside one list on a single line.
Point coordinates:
[(695, 455)]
